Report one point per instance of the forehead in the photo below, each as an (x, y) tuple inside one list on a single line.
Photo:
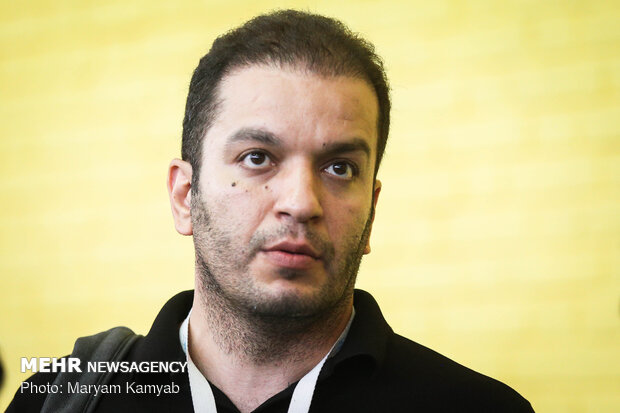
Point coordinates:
[(298, 106)]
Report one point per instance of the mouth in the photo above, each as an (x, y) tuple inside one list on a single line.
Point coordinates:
[(288, 254)]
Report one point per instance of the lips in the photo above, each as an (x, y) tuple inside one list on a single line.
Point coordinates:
[(290, 254), (294, 248)]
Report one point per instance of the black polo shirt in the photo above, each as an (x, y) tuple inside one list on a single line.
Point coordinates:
[(376, 370)]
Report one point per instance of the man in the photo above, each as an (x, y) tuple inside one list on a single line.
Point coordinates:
[(286, 122)]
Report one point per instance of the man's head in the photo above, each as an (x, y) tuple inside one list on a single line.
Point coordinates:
[(283, 39), (285, 116)]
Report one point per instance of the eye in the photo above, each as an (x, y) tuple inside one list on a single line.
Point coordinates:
[(342, 170), (256, 160)]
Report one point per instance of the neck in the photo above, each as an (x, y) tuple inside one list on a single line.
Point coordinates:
[(250, 357)]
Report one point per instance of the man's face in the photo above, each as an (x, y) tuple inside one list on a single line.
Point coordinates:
[(283, 209)]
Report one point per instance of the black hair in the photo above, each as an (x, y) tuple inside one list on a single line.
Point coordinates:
[(285, 38)]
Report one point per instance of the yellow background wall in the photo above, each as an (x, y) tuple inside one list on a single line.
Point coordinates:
[(497, 238)]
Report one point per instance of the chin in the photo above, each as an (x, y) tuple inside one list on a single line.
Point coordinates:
[(291, 301)]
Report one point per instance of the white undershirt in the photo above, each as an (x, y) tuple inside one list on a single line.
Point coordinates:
[(202, 394)]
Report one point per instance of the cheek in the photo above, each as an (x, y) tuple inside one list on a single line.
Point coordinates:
[(240, 208), (347, 219)]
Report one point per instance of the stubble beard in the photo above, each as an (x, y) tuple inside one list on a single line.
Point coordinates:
[(244, 319)]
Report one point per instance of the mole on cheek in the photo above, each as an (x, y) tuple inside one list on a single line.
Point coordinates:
[(233, 184), (266, 186)]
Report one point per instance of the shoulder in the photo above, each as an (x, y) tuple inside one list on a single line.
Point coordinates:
[(408, 376), (107, 345), (450, 385), (50, 388), (119, 343)]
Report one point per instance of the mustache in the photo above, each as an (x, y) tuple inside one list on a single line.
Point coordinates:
[(261, 238)]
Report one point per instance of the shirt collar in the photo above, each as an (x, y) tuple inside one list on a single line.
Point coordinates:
[(367, 339)]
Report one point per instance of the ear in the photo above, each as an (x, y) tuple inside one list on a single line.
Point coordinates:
[(180, 194), (375, 198)]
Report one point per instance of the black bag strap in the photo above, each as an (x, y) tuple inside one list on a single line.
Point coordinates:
[(111, 345)]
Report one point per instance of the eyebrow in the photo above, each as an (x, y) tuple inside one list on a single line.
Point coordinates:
[(354, 145), (269, 138), (254, 135)]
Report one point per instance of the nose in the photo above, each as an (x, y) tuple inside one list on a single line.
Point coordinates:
[(298, 194)]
